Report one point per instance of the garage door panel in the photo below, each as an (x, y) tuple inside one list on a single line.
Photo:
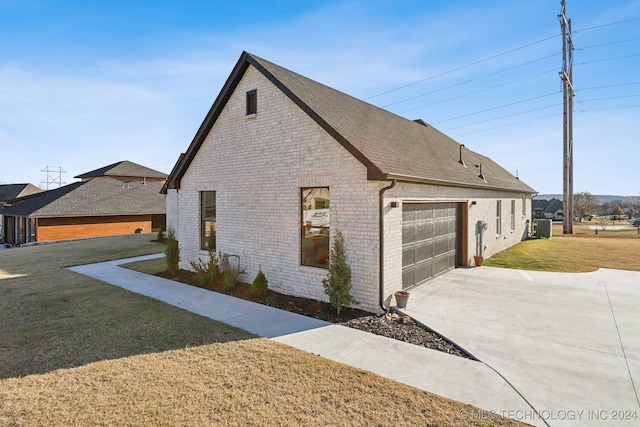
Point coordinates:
[(423, 212), (424, 230), (440, 266), (430, 240), (440, 228), (408, 276), (441, 246), (408, 256), (424, 272), (408, 233), (423, 251), (408, 213)]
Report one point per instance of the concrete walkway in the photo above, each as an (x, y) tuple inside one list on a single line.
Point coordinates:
[(570, 343), (450, 376)]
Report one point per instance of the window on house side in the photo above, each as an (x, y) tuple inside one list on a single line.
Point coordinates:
[(252, 102), (208, 220), (314, 227), (499, 217), (513, 215)]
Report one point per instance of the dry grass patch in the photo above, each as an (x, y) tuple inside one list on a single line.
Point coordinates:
[(75, 351), (244, 383), (581, 252)]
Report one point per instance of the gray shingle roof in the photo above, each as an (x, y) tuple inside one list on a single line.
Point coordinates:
[(12, 191), (95, 197), (390, 146), (124, 168)]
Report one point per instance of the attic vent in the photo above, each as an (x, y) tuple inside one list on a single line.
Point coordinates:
[(252, 102)]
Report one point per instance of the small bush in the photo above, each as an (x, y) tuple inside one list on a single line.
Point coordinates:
[(229, 278), (337, 284), (260, 283), (172, 252), (207, 273), (160, 235)]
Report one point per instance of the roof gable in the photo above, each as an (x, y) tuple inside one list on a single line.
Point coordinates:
[(13, 191), (390, 146), (124, 168)]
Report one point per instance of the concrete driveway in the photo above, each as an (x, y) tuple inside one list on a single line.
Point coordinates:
[(569, 343)]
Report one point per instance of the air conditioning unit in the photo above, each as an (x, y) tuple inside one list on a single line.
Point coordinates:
[(542, 228)]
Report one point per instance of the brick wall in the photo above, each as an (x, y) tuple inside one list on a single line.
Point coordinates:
[(257, 166)]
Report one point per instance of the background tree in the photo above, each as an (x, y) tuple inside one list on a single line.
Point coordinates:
[(617, 211), (584, 203)]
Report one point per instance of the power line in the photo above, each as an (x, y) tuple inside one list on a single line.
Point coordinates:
[(506, 125), (463, 67), (478, 91), (470, 80), (504, 117), (498, 107), (609, 43), (605, 25), (608, 59)]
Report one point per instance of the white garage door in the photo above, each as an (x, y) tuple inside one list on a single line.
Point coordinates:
[(430, 240)]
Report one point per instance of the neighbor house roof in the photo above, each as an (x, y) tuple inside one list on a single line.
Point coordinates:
[(13, 191), (95, 197), (554, 206), (390, 146), (123, 169)]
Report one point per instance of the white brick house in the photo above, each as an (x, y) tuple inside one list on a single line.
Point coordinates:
[(281, 163)]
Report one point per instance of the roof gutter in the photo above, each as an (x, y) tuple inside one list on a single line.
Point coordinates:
[(381, 243), (418, 180)]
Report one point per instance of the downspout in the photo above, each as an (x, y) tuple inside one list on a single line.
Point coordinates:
[(381, 243)]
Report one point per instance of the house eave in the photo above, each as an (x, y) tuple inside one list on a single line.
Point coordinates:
[(426, 181)]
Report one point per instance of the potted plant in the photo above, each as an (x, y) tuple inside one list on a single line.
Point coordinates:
[(402, 297)]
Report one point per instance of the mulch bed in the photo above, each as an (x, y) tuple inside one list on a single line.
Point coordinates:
[(390, 325)]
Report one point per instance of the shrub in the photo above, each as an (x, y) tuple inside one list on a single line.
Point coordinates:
[(229, 278), (207, 273), (160, 235), (260, 283), (337, 284), (172, 252)]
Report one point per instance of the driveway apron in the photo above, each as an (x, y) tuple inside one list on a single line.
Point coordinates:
[(568, 343)]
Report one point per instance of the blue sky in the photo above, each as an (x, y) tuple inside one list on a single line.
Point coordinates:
[(84, 84)]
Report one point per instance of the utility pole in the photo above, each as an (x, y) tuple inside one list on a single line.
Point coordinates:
[(52, 178), (566, 75)]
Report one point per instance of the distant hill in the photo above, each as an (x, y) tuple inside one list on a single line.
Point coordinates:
[(601, 198)]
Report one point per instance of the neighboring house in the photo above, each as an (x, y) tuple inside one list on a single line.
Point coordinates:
[(121, 198), (281, 163), (13, 191), (538, 206), (553, 210)]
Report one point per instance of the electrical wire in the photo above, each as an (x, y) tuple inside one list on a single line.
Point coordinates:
[(498, 107), (470, 80), (605, 25), (478, 91), (463, 67)]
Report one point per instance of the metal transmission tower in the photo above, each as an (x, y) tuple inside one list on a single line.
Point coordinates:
[(54, 176), (566, 75)]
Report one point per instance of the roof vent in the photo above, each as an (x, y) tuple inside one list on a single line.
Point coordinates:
[(461, 161), (252, 102), (481, 176), (421, 122)]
